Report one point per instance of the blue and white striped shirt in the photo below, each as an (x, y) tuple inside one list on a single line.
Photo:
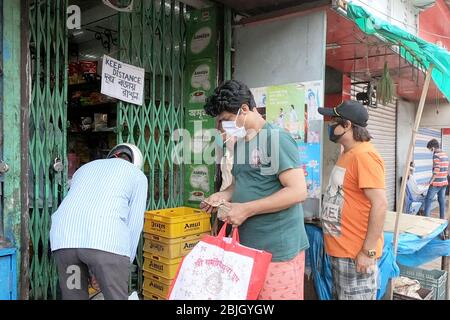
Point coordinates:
[(104, 209)]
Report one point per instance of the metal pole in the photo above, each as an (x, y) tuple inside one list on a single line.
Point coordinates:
[(401, 200)]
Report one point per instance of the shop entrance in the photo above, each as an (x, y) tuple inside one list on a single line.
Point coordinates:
[(72, 123)]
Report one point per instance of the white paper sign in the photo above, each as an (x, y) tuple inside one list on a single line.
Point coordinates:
[(122, 81)]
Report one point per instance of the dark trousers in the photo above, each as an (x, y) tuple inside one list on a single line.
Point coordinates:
[(110, 270)]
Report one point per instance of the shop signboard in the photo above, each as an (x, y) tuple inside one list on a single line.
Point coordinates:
[(201, 81), (202, 34)]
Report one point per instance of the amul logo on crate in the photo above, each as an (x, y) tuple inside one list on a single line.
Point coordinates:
[(156, 286), (156, 266), (189, 245), (156, 246), (192, 226), (158, 226)]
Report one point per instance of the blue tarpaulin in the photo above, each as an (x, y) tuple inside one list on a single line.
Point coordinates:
[(434, 249), (412, 251), (319, 262), (320, 265), (411, 47), (409, 243)]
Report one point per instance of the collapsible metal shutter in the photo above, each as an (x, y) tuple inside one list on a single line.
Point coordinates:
[(446, 143), (423, 158), (48, 42), (153, 37), (382, 127)]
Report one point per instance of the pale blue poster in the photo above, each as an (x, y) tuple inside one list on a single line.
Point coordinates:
[(310, 161)]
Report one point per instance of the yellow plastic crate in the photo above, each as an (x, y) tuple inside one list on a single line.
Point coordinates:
[(150, 296), (170, 248), (166, 268), (156, 285), (177, 222)]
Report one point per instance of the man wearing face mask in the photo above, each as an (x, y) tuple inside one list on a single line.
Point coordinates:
[(354, 205), (267, 189)]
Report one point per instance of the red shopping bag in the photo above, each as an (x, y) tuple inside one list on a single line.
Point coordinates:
[(219, 268)]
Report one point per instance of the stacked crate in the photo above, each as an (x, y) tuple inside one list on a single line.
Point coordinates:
[(169, 235)]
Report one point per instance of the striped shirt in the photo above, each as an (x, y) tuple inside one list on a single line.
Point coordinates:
[(103, 210), (440, 169)]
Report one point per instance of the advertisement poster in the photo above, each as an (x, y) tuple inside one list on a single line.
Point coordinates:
[(198, 183), (285, 107), (309, 159), (202, 34), (294, 107), (201, 80), (313, 94)]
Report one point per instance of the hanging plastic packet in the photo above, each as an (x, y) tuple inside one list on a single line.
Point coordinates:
[(133, 296)]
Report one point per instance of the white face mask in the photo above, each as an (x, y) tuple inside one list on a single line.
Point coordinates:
[(232, 130)]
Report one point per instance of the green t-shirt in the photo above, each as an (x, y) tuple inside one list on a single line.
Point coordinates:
[(257, 165)]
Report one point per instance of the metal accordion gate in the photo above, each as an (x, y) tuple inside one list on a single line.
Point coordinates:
[(47, 141), (153, 37)]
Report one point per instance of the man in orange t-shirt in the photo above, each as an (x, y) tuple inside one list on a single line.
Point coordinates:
[(354, 205)]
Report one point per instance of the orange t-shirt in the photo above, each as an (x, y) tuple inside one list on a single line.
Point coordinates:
[(346, 209)]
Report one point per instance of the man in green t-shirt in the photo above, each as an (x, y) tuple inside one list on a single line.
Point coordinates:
[(268, 187)]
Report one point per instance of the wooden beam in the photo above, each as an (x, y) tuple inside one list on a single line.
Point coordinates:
[(401, 200)]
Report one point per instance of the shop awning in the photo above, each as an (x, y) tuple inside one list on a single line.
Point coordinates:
[(412, 48)]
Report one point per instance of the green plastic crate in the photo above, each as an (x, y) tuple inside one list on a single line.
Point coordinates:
[(429, 279)]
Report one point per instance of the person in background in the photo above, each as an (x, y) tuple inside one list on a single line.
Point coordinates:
[(98, 225), (264, 200), (294, 123), (418, 191), (226, 165), (354, 205), (415, 202), (280, 119), (438, 182)]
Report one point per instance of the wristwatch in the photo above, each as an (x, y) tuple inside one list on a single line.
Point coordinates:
[(371, 253)]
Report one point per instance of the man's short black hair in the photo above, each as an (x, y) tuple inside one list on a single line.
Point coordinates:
[(229, 96), (433, 143)]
